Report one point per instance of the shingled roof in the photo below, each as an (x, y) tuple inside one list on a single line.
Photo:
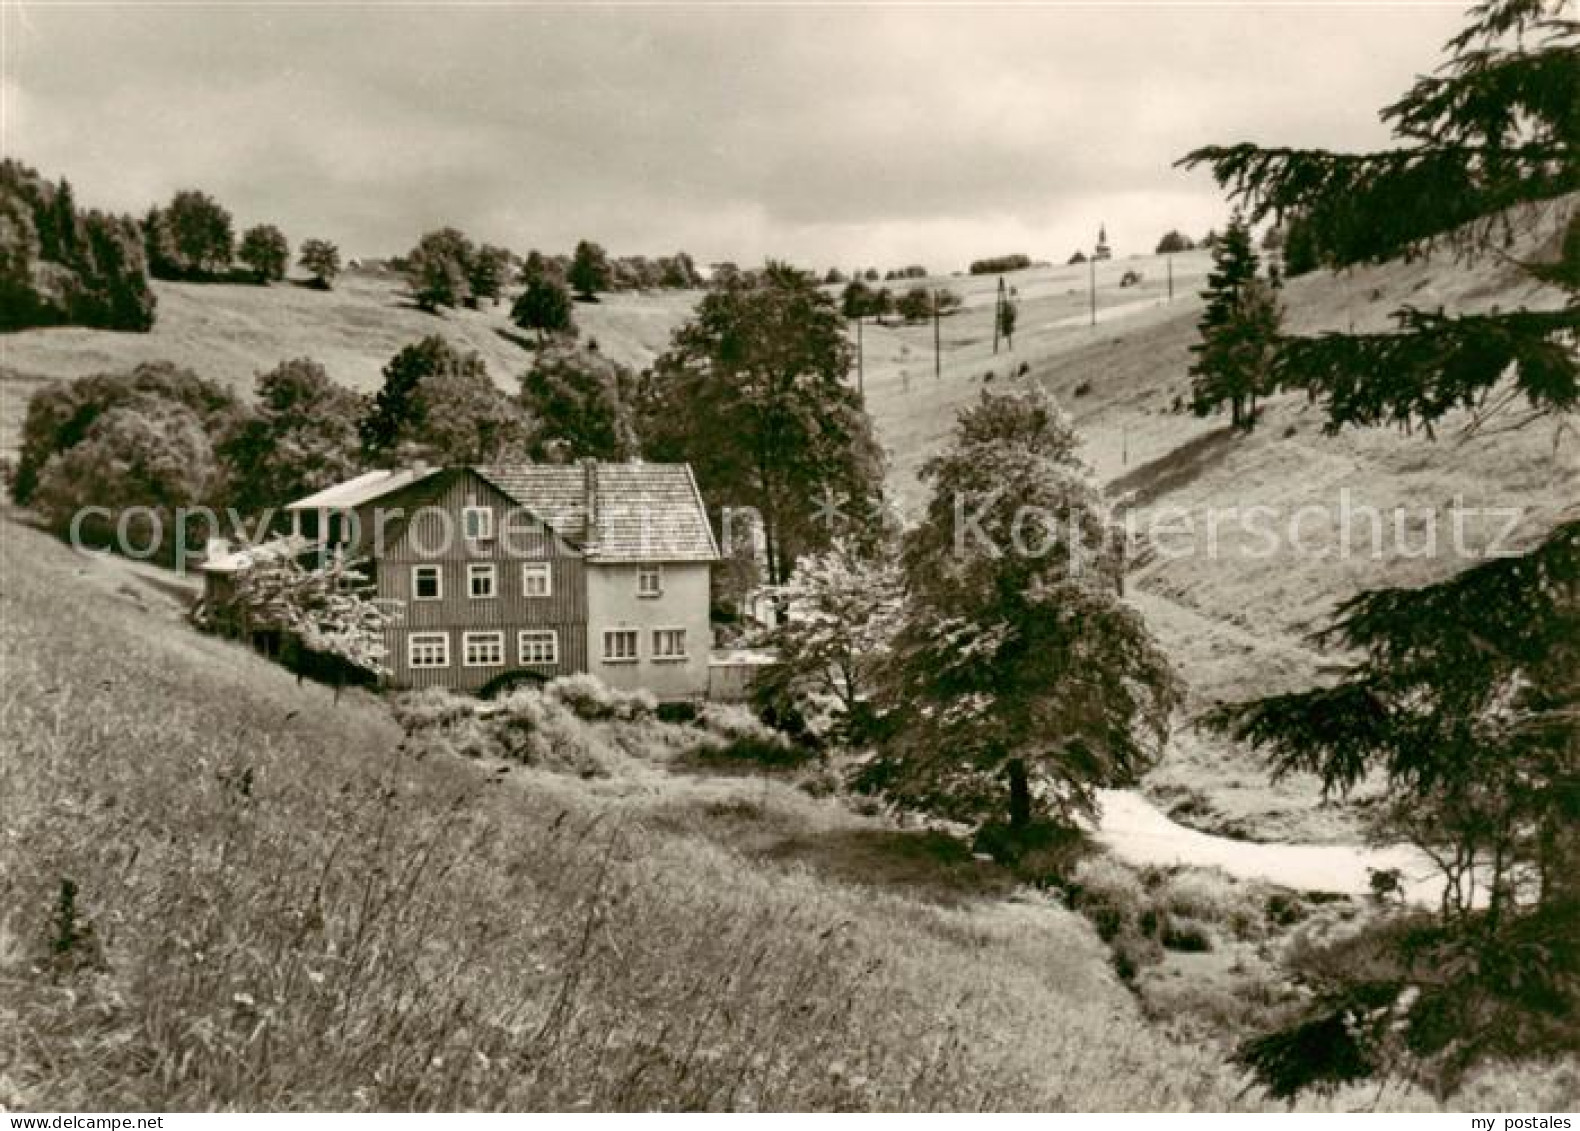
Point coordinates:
[(621, 512), (617, 512)]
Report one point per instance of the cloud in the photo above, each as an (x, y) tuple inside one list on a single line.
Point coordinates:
[(820, 134)]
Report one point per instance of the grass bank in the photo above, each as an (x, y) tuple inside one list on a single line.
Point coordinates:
[(276, 903)]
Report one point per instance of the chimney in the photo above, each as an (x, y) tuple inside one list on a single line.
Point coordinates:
[(590, 490)]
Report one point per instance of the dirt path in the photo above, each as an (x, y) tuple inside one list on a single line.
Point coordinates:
[(1138, 833)]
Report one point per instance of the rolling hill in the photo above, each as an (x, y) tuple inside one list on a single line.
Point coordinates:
[(1233, 617)]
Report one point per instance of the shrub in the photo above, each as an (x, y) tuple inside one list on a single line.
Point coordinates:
[(1133, 953), (1185, 935), (775, 752), (1042, 853), (999, 264), (1285, 909), (1210, 896), (433, 708), (589, 698), (684, 711), (539, 730), (1082, 389), (735, 721), (1101, 880), (525, 726)]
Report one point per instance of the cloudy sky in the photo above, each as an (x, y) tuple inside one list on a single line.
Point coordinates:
[(817, 132)]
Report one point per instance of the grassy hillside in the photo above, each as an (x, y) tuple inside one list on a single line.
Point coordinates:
[(280, 905), (232, 332), (1233, 619), (1233, 616), (277, 902)]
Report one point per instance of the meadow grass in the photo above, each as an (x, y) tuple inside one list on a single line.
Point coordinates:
[(220, 890), (281, 903)]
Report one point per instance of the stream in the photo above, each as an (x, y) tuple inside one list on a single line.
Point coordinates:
[(1139, 833)]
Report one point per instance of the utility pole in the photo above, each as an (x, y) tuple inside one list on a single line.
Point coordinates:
[(1091, 285), (938, 365), (861, 376), (998, 312)]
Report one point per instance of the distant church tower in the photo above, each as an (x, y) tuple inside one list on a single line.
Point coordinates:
[(1101, 251)]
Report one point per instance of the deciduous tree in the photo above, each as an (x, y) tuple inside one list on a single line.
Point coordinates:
[(840, 610), (440, 405), (301, 437), (752, 392), (190, 238), (583, 406), (589, 272), (544, 306), (320, 259), (264, 251), (439, 270), (1023, 679)]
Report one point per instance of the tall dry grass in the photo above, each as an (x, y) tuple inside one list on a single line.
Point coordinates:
[(282, 904), (277, 903)]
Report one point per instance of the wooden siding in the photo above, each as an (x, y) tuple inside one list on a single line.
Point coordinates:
[(417, 537)]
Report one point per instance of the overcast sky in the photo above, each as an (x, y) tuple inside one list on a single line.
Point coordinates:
[(823, 134)]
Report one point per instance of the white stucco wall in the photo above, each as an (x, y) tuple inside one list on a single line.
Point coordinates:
[(612, 602)]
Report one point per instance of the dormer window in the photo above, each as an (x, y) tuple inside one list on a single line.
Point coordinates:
[(650, 581), (477, 523)]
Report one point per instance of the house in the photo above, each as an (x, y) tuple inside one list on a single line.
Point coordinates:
[(518, 572)]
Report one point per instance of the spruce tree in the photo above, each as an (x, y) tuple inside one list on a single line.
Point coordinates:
[(1236, 326), (1465, 696)]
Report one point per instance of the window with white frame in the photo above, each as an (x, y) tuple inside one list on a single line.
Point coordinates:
[(428, 650), (427, 583), (619, 645), (480, 580), (477, 523), (537, 580), (483, 649), (650, 581), (669, 644), (538, 646)]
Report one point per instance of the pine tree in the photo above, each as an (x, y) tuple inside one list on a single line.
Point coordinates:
[(1466, 696), (1008, 313), (1237, 326)]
